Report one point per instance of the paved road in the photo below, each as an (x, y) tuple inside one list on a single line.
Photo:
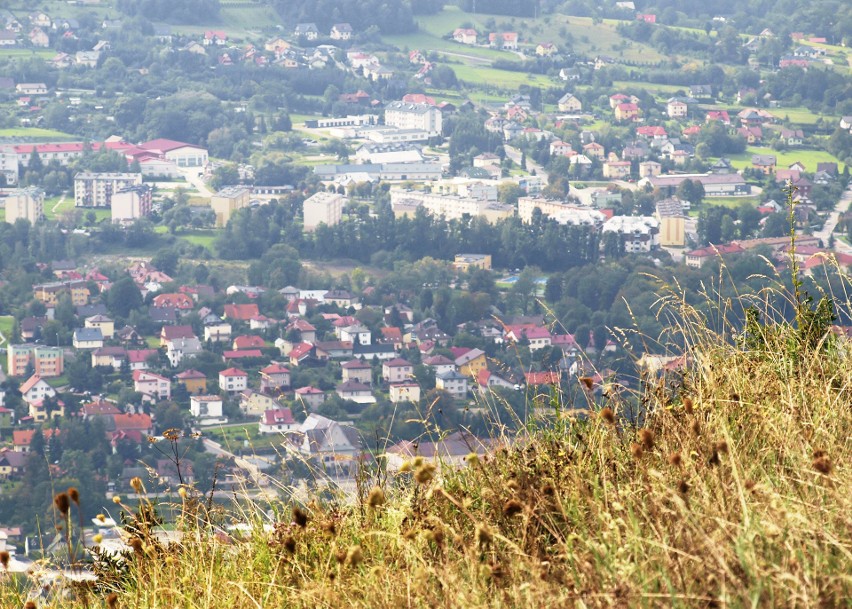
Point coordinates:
[(832, 220), (191, 176), (58, 203), (515, 154)]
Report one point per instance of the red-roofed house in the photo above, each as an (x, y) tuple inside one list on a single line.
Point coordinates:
[(183, 302), (241, 354), (193, 381), (241, 312), (311, 397), (626, 112), (277, 420), (180, 153), (274, 377), (248, 341), (696, 258), (300, 353), (357, 370), (655, 132), (465, 35), (152, 386), (36, 389), (537, 336), (128, 423), (217, 37), (397, 370), (534, 379), (138, 358), (718, 115), (170, 333), (22, 438), (233, 380)]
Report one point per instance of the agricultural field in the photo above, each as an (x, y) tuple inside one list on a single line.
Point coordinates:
[(809, 158), (35, 134)]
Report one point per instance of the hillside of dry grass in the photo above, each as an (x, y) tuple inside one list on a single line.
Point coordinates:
[(734, 491)]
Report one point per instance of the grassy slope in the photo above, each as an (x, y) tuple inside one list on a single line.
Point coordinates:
[(809, 158), (734, 493)]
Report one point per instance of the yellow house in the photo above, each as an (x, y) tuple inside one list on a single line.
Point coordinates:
[(102, 322), (227, 201), (49, 293), (465, 262), (193, 381), (38, 411), (471, 362)]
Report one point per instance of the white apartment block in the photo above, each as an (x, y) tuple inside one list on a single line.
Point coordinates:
[(323, 208), (97, 189), (25, 204), (451, 207), (422, 117), (638, 233), (131, 203)]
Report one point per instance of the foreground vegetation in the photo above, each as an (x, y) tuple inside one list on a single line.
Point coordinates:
[(732, 490)]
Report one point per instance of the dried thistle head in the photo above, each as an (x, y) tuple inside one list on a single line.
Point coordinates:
[(5, 557), (425, 473), (136, 545), (512, 507), (683, 487), (822, 463), (354, 556), (30, 605), (62, 503), (300, 517), (74, 494), (607, 415), (687, 405), (136, 484), (675, 459), (101, 518), (112, 600), (290, 544), (636, 450), (483, 535), (376, 498), (587, 382), (722, 447), (646, 437)]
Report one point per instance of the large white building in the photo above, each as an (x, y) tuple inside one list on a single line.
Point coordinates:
[(9, 165), (180, 153), (96, 189), (637, 233), (423, 117), (25, 204), (323, 208), (131, 203), (451, 207)]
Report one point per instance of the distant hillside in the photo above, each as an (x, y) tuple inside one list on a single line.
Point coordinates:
[(184, 12), (390, 16)]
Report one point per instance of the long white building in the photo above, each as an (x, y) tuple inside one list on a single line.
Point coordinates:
[(422, 117), (405, 203)]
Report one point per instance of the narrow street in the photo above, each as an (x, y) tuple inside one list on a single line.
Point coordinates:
[(831, 223)]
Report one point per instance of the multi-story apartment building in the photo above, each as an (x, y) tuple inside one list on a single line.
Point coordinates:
[(227, 201), (97, 189), (49, 293), (323, 208), (423, 117), (46, 362), (131, 203), (25, 204)]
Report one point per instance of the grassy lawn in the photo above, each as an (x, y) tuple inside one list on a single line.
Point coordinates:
[(809, 158), (58, 381), (731, 202), (501, 79), (234, 438), (202, 237), (26, 53), (661, 90), (54, 209), (6, 323), (36, 133)]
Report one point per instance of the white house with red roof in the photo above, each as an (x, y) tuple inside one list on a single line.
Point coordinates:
[(248, 341), (537, 336), (215, 37), (465, 35), (277, 420), (36, 389), (311, 397), (152, 386), (241, 312), (397, 370), (207, 409), (233, 380), (357, 370), (138, 358)]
